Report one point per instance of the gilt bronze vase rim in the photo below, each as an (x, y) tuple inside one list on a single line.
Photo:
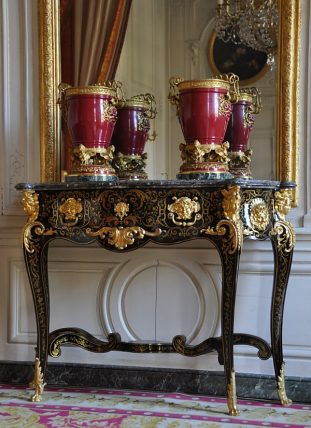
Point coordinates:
[(203, 84), (133, 104), (109, 88), (245, 97)]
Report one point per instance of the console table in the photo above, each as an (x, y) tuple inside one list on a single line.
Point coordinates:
[(124, 216)]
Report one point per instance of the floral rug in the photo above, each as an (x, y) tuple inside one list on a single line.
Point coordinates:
[(74, 407)]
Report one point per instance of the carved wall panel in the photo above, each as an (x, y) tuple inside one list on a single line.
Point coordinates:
[(19, 116), (79, 296), (169, 290)]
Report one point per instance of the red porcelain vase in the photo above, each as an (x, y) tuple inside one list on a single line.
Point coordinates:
[(90, 114), (204, 109), (239, 129), (130, 135)]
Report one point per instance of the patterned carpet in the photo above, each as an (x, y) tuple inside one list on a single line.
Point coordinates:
[(135, 409)]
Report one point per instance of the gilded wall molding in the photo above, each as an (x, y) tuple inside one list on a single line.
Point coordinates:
[(288, 92), (49, 70)]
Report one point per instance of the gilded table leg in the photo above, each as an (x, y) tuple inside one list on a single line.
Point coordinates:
[(228, 238), (230, 272), (230, 256), (36, 264), (283, 241)]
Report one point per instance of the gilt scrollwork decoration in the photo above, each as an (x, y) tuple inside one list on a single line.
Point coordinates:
[(283, 202), (184, 211), (231, 205), (285, 234), (282, 229), (30, 202), (173, 95), (179, 344), (248, 117), (225, 105), (121, 236), (143, 124), (81, 338)]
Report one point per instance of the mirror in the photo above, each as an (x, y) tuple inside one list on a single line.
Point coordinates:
[(287, 90)]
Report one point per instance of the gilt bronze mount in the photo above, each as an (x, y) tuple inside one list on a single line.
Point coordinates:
[(125, 216)]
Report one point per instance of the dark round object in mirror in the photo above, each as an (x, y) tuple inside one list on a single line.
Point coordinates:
[(248, 64)]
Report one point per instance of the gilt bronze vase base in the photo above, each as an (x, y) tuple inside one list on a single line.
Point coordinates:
[(91, 164), (130, 167), (204, 161), (239, 164)]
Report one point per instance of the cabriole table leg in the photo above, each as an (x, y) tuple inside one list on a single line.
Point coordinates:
[(36, 263), (283, 241)]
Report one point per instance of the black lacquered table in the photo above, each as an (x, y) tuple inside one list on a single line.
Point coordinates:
[(123, 216)]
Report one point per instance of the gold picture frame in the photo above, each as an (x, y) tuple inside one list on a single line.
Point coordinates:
[(49, 78), (287, 95), (248, 64)]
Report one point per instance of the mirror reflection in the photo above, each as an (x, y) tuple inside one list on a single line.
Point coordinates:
[(92, 34), (253, 24), (142, 43)]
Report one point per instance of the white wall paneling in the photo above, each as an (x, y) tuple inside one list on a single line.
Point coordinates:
[(153, 294), (19, 82), (143, 69)]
